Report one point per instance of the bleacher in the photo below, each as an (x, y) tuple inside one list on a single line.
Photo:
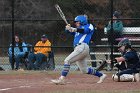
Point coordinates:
[(128, 32)]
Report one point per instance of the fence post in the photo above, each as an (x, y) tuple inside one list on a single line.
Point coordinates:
[(13, 34)]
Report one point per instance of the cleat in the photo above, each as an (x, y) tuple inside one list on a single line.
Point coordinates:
[(58, 81), (102, 78)]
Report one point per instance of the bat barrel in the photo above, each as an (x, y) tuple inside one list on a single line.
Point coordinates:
[(61, 13)]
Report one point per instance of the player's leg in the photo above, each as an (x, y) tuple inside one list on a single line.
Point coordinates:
[(78, 54), (73, 57), (129, 71), (89, 70), (82, 64)]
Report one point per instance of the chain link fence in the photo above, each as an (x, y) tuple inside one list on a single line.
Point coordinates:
[(31, 18)]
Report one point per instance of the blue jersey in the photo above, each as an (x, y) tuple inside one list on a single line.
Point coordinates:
[(85, 36)]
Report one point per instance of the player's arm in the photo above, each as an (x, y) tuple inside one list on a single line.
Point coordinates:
[(72, 29), (80, 30), (116, 60), (120, 59), (86, 30)]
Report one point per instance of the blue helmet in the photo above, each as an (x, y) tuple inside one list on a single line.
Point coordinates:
[(82, 19)]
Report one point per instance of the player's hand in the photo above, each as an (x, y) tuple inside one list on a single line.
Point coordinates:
[(68, 27), (71, 29)]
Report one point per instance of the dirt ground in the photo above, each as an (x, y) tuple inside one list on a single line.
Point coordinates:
[(39, 82)]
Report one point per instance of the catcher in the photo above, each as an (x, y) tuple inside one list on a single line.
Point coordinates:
[(82, 35), (128, 64)]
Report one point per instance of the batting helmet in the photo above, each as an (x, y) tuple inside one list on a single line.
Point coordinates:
[(124, 42), (82, 19)]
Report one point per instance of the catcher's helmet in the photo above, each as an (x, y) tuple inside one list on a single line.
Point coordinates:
[(124, 42), (82, 19)]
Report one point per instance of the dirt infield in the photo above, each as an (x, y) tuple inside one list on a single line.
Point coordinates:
[(39, 82)]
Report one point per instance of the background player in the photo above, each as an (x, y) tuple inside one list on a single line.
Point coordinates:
[(82, 35)]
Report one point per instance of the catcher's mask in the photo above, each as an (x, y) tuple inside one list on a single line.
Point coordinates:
[(125, 42)]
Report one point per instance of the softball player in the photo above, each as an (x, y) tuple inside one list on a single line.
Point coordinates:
[(82, 35)]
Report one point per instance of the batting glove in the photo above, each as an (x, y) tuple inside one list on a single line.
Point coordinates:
[(68, 27), (71, 29)]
